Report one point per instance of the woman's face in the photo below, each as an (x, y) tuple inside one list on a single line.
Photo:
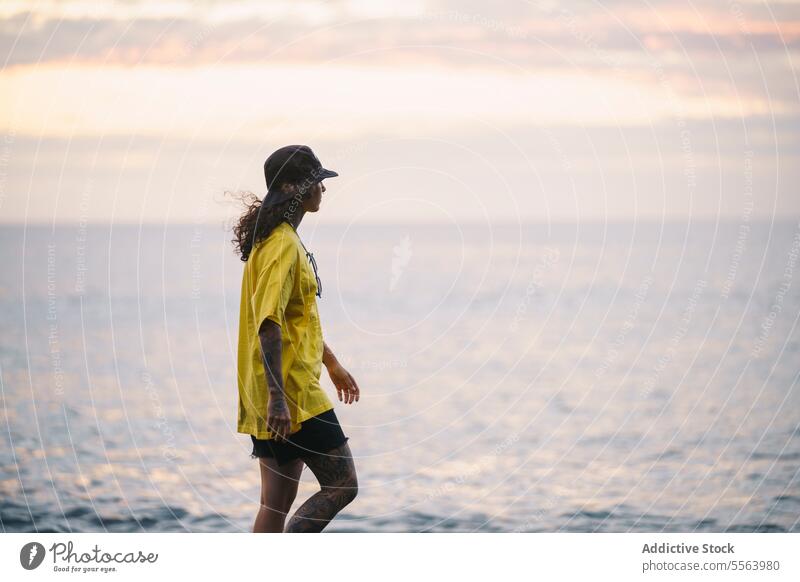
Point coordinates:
[(311, 204)]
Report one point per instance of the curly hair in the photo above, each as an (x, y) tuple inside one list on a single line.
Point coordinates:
[(257, 222)]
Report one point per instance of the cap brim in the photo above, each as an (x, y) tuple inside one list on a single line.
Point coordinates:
[(327, 174)]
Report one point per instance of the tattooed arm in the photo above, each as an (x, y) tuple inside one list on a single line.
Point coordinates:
[(346, 386), (278, 417)]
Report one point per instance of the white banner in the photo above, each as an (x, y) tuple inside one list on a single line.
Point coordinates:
[(371, 557)]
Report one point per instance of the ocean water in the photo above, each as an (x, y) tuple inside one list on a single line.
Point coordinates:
[(515, 377)]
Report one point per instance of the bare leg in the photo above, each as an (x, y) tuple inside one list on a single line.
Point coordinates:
[(336, 474), (278, 491)]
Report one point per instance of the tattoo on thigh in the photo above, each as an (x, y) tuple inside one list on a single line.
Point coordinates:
[(334, 469), (336, 474)]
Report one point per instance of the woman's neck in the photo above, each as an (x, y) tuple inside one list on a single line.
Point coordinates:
[(298, 216)]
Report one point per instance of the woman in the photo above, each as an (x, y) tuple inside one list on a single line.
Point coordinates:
[(288, 416)]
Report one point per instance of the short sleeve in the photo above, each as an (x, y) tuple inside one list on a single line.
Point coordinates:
[(274, 282)]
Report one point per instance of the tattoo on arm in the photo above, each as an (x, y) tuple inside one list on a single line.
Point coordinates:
[(269, 335)]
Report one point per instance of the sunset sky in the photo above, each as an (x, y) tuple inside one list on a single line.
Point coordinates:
[(430, 110)]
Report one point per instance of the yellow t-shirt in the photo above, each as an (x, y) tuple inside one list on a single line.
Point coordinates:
[(278, 284)]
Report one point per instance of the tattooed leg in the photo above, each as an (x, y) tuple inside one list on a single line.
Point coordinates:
[(336, 474)]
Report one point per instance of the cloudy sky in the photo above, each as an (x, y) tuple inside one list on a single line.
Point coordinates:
[(430, 110)]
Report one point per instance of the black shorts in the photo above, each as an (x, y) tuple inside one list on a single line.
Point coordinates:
[(318, 434)]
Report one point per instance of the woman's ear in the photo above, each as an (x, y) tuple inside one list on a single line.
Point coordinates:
[(288, 188)]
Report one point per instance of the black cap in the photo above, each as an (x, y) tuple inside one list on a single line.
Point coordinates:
[(294, 164)]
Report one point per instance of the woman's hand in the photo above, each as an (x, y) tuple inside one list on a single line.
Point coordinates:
[(346, 386), (279, 421)]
